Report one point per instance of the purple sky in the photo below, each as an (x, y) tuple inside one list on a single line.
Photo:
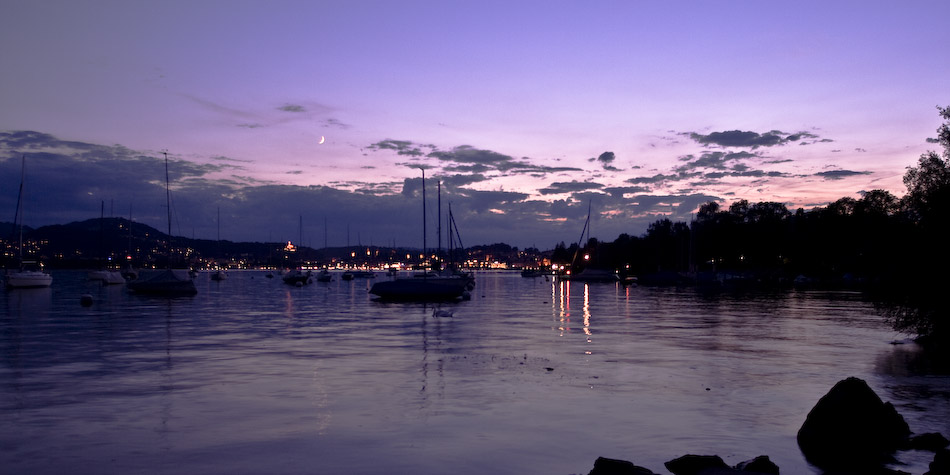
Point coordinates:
[(525, 110)]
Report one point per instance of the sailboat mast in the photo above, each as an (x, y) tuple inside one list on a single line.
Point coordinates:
[(168, 197), (439, 228), (583, 231), (423, 215), (19, 206), (102, 219), (129, 255)]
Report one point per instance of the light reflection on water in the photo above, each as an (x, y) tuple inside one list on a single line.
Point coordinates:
[(530, 376)]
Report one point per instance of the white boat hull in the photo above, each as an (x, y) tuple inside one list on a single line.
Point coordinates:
[(107, 277), (28, 278)]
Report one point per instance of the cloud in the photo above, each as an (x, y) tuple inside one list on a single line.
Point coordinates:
[(569, 187), (660, 178), (380, 211), (401, 147), (336, 124), (468, 159), (606, 159), (620, 191), (462, 180), (296, 108), (715, 160), (839, 174), (749, 139)]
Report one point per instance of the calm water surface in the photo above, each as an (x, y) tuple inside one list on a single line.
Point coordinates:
[(529, 376)]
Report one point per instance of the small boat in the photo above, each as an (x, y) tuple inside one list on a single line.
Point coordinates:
[(359, 274), (107, 277), (219, 275), (298, 277), (27, 277), (348, 275), (31, 273), (427, 286), (422, 288), (129, 273), (324, 276), (594, 276), (585, 273), (531, 273), (168, 282)]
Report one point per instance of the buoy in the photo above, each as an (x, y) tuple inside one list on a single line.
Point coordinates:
[(85, 300)]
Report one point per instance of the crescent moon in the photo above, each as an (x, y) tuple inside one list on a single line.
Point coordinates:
[(322, 139)]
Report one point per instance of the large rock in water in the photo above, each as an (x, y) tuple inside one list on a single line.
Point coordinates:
[(851, 427), (606, 466)]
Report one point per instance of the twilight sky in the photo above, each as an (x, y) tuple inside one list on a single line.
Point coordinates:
[(525, 110)]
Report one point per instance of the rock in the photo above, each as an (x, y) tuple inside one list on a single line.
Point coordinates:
[(760, 464), (850, 428), (695, 464), (941, 463), (606, 466), (932, 441)]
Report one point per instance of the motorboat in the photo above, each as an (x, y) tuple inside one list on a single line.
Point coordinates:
[(107, 277)]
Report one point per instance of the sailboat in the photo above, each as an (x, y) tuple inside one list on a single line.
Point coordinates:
[(105, 275), (168, 282), (298, 277), (425, 287), (30, 273), (129, 272), (589, 274), (219, 274)]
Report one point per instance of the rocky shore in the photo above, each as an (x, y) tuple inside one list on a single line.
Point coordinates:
[(849, 431)]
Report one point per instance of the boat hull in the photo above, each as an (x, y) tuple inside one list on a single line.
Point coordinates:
[(28, 279), (167, 283), (107, 277), (420, 289), (298, 277)]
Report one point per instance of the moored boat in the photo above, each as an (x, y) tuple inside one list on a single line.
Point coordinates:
[(422, 288), (107, 277), (167, 282), (425, 286), (298, 277), (30, 273), (27, 278)]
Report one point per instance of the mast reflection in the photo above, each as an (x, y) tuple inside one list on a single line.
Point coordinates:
[(561, 307)]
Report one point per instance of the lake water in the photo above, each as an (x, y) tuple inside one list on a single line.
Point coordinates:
[(529, 376)]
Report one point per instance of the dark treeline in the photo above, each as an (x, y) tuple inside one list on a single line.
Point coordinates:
[(894, 247)]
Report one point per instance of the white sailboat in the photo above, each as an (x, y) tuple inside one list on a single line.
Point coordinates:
[(30, 273), (105, 275)]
